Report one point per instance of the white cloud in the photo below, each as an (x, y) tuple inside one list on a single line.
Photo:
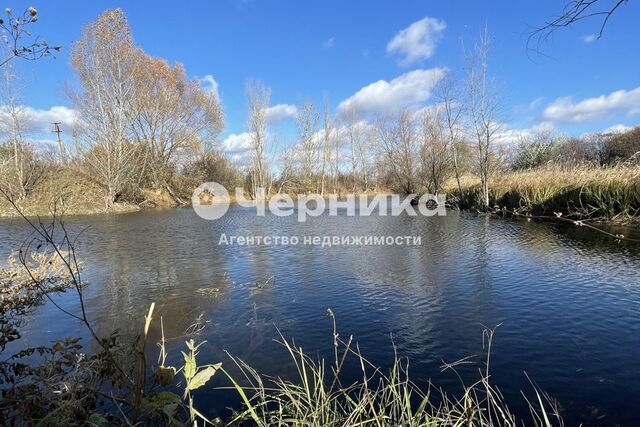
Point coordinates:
[(279, 112), (237, 148), (565, 110), (510, 136), (237, 143), (210, 84), (409, 89), (417, 41), (39, 121), (617, 129), (328, 44), (589, 38)]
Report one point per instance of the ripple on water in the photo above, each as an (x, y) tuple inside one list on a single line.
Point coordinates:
[(567, 301)]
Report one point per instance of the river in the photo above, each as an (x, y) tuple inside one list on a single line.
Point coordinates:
[(567, 299)]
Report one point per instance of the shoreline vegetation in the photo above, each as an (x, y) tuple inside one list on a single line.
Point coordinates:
[(602, 194)]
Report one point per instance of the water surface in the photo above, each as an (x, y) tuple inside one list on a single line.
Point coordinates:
[(567, 300)]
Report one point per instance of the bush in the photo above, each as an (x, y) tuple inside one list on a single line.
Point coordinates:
[(212, 167), (623, 147), (534, 151)]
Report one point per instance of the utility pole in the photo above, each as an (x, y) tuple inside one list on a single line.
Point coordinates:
[(57, 131)]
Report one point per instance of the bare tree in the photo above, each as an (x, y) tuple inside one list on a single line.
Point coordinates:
[(336, 158), (259, 96), (397, 140), (483, 108), (435, 147), (307, 120), (287, 172), (449, 97), (105, 62), (327, 142), (352, 132), (13, 117), (363, 152)]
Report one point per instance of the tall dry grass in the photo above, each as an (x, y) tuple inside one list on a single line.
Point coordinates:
[(581, 191)]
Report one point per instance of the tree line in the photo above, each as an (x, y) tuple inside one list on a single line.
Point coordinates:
[(142, 123)]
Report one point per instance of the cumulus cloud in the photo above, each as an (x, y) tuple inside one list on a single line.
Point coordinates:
[(511, 136), (237, 143), (617, 129), (210, 84), (40, 121), (237, 148), (565, 110), (279, 112), (418, 41), (408, 90)]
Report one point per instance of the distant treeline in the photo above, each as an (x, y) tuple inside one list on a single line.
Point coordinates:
[(144, 128)]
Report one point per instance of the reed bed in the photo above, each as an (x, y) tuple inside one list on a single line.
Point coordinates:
[(609, 193)]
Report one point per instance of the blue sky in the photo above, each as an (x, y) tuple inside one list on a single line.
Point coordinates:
[(305, 50)]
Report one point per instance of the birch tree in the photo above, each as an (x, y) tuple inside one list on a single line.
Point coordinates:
[(307, 120), (104, 60), (483, 109), (13, 118), (258, 95)]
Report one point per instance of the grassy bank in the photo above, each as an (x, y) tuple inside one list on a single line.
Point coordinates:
[(602, 193), (608, 193), (71, 193), (66, 191)]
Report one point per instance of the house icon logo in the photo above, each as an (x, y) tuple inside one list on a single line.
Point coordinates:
[(210, 200)]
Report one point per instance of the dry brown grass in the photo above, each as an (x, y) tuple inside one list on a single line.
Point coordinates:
[(68, 191), (607, 192)]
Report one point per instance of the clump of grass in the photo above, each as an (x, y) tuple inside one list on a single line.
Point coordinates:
[(581, 191), (319, 397)]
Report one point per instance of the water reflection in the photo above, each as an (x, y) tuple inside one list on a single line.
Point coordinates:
[(568, 300)]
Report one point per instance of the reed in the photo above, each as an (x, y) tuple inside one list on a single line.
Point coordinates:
[(582, 192)]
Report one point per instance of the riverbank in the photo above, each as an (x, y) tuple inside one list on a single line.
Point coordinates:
[(69, 193), (607, 194), (65, 193)]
